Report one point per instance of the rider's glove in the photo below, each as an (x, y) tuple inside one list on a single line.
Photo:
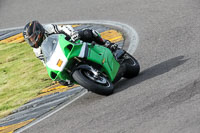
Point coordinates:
[(74, 36), (39, 54)]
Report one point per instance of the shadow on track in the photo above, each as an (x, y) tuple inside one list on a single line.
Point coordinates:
[(151, 72)]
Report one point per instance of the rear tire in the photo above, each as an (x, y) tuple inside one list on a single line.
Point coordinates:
[(85, 78), (132, 66)]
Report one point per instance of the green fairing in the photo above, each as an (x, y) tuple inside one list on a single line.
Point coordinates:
[(96, 53), (99, 53)]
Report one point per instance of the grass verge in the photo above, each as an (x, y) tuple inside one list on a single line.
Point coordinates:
[(22, 76)]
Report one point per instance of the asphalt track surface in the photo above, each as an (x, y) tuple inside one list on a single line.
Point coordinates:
[(164, 98)]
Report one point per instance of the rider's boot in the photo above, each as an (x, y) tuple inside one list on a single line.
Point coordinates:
[(89, 35), (101, 41), (112, 46)]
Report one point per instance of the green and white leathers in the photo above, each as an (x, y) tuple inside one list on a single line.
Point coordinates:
[(92, 66)]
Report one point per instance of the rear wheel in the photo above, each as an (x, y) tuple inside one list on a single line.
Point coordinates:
[(93, 81), (132, 66)]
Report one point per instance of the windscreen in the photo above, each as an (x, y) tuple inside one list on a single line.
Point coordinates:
[(49, 45)]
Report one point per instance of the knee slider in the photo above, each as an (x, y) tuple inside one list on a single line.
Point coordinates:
[(87, 33)]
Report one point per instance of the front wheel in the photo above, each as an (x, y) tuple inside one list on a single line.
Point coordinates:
[(94, 82)]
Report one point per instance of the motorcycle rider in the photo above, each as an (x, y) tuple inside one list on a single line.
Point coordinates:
[(34, 33)]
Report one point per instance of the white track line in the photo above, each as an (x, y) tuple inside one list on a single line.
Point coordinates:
[(50, 114), (132, 36)]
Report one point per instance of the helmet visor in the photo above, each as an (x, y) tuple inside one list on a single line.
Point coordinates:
[(32, 39)]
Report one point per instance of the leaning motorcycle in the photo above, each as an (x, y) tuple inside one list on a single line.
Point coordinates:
[(92, 66)]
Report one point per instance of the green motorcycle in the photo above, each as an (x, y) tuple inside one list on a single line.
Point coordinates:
[(92, 66)]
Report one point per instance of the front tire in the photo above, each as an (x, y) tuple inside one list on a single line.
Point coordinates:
[(100, 85)]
